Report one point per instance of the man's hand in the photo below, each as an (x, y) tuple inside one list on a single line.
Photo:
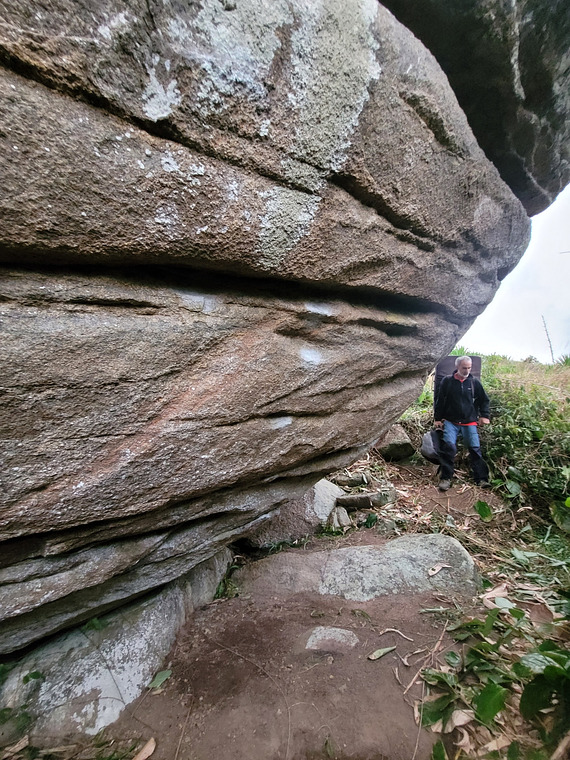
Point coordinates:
[(438, 424), (484, 421)]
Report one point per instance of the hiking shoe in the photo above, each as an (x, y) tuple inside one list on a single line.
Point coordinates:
[(444, 485), (483, 484)]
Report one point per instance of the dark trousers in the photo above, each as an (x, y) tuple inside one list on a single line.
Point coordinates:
[(448, 451)]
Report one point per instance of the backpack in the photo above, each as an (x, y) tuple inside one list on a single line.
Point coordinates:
[(431, 445)]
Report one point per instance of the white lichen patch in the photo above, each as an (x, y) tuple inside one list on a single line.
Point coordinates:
[(288, 217), (168, 162), (168, 218), (158, 99), (311, 355), (334, 63), (234, 49), (113, 23)]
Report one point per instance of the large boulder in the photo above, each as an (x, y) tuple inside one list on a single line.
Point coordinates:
[(235, 238), (509, 65)]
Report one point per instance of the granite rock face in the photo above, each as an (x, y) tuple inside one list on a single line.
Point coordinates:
[(235, 238), (89, 676), (409, 564), (509, 65)]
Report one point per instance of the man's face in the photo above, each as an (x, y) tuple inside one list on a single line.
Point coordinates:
[(464, 368)]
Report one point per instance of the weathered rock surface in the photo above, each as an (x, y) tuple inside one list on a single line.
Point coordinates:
[(305, 148), (268, 227), (298, 519), (509, 65), (410, 564), (128, 460), (89, 676), (395, 444), (328, 639)]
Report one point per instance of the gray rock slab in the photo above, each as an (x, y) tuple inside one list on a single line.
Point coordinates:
[(89, 675), (514, 88), (408, 564), (330, 639), (246, 235)]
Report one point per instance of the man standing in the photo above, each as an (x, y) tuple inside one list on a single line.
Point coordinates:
[(461, 402)]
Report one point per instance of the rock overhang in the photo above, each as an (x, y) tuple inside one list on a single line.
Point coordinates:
[(245, 243)]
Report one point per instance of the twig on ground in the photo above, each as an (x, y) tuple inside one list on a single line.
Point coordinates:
[(394, 630), (420, 722), (430, 655), (183, 729)]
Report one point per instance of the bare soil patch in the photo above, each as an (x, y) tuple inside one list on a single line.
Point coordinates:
[(243, 686)]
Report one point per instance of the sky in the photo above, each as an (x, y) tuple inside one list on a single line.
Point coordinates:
[(539, 286)]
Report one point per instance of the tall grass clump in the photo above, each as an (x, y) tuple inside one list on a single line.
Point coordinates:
[(528, 445)]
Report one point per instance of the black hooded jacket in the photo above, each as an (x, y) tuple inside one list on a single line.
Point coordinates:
[(461, 402)]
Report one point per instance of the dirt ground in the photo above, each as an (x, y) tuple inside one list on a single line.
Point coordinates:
[(243, 686)]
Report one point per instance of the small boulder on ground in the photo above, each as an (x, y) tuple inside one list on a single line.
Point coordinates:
[(299, 518), (396, 444)]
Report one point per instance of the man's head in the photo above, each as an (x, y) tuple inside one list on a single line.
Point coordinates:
[(463, 365)]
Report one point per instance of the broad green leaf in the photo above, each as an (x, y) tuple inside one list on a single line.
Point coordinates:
[(453, 659), (513, 488), (537, 695), (567, 502), (437, 677), (551, 646), (483, 510), (489, 702), (159, 679), (490, 621), (536, 662), (438, 751), (522, 671), (437, 710), (378, 653), (556, 673)]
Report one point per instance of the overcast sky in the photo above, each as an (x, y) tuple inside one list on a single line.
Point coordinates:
[(539, 286)]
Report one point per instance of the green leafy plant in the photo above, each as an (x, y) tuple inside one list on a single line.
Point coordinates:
[(529, 445), (483, 510), (547, 670), (34, 675)]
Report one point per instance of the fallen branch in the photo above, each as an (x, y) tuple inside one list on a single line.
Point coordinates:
[(425, 659)]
